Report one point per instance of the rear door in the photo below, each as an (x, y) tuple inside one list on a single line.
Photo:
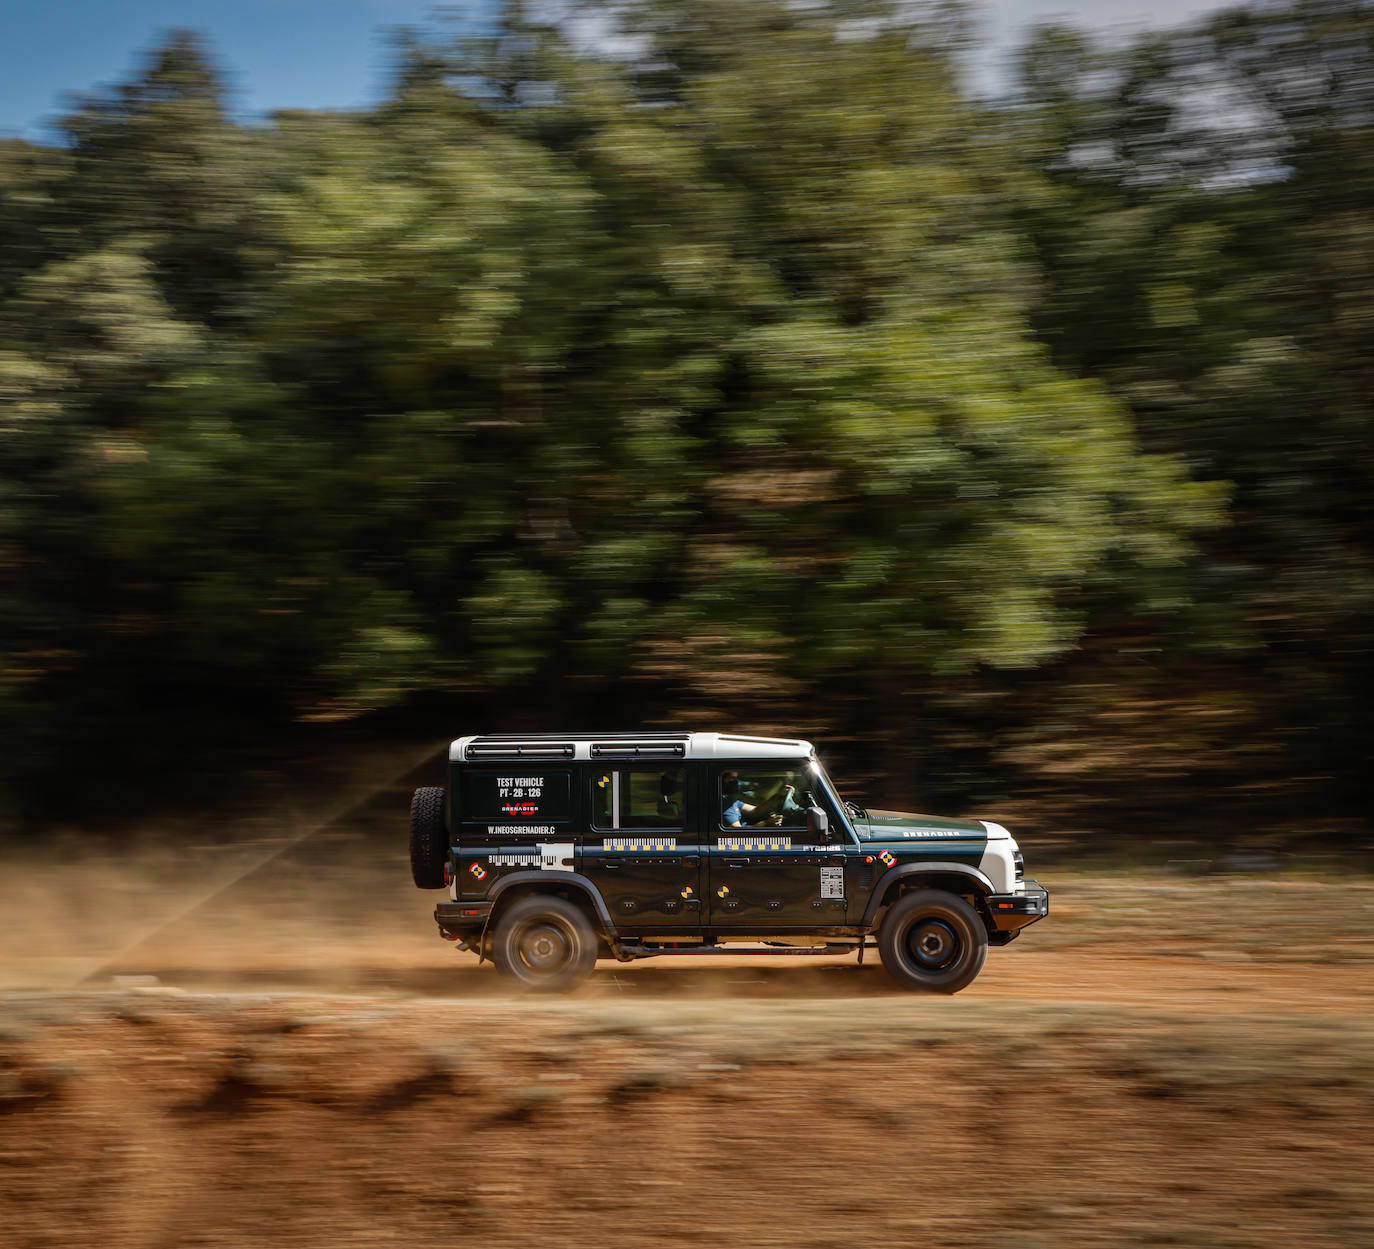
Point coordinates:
[(639, 849), (765, 871)]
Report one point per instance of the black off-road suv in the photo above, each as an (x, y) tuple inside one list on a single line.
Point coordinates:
[(558, 850)]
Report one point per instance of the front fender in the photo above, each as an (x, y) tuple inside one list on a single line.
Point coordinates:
[(905, 870)]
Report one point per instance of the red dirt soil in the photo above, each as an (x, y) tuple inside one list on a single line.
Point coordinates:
[(195, 1054)]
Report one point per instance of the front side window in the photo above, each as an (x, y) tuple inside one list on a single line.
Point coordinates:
[(638, 798), (764, 797)]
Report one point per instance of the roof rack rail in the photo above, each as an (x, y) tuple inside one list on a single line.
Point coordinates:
[(519, 748), (640, 749)]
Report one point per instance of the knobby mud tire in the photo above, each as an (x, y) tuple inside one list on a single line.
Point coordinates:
[(428, 838)]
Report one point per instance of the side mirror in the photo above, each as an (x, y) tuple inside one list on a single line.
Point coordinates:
[(817, 824)]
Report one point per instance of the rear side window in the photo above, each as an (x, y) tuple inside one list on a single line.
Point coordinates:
[(517, 795), (638, 798)]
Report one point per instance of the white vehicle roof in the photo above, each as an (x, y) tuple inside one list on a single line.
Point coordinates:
[(592, 746)]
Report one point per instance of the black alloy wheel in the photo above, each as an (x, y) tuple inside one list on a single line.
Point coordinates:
[(933, 940)]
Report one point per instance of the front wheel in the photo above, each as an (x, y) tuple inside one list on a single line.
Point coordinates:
[(545, 944), (933, 940)]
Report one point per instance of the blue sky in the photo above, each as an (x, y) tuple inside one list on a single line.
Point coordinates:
[(277, 53), (322, 53)]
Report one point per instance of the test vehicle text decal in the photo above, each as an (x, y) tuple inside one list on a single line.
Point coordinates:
[(514, 797)]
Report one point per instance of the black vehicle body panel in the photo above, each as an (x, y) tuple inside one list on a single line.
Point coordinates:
[(696, 878)]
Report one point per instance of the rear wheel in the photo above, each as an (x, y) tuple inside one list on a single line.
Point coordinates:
[(546, 944), (428, 838), (933, 940)]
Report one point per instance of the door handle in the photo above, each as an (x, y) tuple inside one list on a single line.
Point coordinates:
[(611, 865), (736, 862)]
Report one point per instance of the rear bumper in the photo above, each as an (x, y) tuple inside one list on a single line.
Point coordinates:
[(461, 918), (1011, 911)]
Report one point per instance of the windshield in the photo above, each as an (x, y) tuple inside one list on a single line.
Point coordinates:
[(828, 786)]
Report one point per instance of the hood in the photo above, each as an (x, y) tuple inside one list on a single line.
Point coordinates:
[(907, 826)]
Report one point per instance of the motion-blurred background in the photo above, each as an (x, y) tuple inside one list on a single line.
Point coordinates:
[(717, 363)]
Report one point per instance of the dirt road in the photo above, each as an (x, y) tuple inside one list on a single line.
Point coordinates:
[(297, 1060)]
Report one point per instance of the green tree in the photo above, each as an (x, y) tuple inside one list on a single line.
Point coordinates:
[(560, 366), (1212, 266)]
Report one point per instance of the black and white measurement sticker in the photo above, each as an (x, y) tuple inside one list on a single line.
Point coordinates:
[(514, 860), (549, 857), (832, 882)]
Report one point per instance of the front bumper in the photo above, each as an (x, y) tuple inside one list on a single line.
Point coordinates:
[(1010, 911)]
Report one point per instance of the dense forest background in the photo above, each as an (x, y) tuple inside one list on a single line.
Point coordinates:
[(738, 366)]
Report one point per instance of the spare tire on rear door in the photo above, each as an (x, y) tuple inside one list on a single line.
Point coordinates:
[(428, 838)]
